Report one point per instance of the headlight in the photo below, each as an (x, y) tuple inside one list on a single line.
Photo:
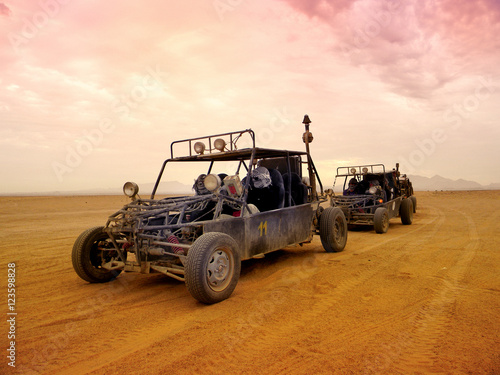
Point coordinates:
[(212, 182), (130, 189)]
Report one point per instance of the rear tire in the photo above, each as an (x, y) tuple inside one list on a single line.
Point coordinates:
[(213, 267), (406, 211), (91, 250), (381, 220), (333, 229)]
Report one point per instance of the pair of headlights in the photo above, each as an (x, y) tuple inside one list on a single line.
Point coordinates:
[(212, 182), (364, 170), (219, 144)]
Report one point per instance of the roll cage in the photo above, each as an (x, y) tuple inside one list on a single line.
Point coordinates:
[(364, 174), (231, 152)]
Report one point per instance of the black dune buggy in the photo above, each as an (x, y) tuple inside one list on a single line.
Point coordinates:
[(201, 239), (372, 196)]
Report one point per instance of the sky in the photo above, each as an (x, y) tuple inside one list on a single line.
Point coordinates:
[(93, 93)]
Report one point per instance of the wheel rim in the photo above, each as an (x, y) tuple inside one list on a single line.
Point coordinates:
[(338, 231), (102, 252), (220, 269)]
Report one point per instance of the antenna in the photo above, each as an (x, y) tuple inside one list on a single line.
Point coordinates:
[(307, 137)]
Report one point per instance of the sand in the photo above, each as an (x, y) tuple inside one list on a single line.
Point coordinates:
[(419, 299)]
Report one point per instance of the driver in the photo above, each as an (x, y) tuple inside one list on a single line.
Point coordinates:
[(352, 187)]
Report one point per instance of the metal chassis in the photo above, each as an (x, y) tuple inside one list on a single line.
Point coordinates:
[(358, 210), (256, 234)]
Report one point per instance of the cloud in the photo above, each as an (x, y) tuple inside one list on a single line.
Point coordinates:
[(4, 10), (355, 66), (470, 29), (324, 9), (416, 47)]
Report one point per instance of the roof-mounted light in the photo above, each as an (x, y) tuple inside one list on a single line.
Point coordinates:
[(199, 148), (220, 144), (353, 170), (365, 170)]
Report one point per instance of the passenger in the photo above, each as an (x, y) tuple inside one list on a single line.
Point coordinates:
[(372, 187), (267, 191), (261, 178), (352, 187), (376, 189)]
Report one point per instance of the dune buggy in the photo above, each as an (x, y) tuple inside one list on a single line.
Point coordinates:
[(372, 196), (202, 238)]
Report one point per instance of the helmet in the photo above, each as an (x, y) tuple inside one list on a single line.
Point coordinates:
[(261, 178), (199, 185)]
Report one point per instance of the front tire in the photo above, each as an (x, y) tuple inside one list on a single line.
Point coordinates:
[(406, 211), (381, 220), (213, 267), (333, 229), (414, 201), (91, 250)]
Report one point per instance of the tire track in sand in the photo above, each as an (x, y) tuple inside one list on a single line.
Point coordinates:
[(136, 338), (328, 300), (145, 328), (415, 351), (139, 338)]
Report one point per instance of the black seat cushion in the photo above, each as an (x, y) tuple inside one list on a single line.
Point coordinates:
[(298, 190)]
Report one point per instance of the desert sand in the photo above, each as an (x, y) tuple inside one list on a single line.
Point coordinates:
[(419, 299)]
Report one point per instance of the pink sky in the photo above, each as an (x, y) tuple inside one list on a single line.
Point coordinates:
[(415, 82)]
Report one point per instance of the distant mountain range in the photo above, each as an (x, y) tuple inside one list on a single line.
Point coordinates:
[(174, 187), (421, 183), (167, 187), (145, 189), (441, 183)]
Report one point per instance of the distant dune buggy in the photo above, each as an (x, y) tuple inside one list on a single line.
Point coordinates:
[(372, 196), (247, 202)]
